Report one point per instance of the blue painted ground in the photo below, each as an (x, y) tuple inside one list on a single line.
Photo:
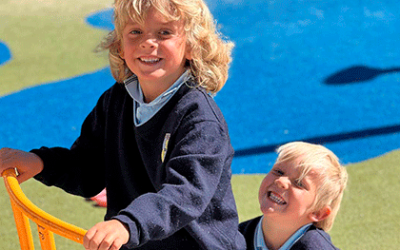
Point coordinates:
[(5, 53), (319, 71)]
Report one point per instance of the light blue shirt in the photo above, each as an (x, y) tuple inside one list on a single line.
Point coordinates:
[(259, 243), (142, 112)]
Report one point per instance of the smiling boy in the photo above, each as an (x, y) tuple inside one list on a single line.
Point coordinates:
[(299, 199)]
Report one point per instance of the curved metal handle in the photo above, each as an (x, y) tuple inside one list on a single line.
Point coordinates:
[(46, 222)]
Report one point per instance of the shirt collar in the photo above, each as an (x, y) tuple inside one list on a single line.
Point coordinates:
[(135, 91), (259, 243), (142, 112)]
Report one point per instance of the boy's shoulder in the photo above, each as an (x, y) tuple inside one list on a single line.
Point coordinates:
[(249, 225), (189, 93), (314, 239), (115, 92), (199, 102), (248, 228)]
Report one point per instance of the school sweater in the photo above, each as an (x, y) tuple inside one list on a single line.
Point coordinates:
[(168, 180), (314, 239)]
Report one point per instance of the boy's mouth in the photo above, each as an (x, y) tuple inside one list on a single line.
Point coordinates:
[(149, 60), (276, 198)]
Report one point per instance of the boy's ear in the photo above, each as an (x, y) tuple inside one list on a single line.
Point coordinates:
[(188, 53), (120, 52), (321, 214)]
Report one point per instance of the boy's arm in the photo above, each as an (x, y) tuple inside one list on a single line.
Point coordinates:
[(80, 169)]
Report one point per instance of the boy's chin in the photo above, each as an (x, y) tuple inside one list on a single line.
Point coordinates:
[(267, 210)]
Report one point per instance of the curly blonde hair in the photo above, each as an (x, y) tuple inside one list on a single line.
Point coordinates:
[(332, 175), (211, 55)]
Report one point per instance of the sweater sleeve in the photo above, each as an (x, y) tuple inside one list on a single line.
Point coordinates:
[(196, 179), (80, 169)]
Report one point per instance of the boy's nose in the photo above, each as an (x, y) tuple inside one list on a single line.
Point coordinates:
[(148, 42), (282, 182)]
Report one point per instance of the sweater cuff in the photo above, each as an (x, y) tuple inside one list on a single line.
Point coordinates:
[(46, 175), (134, 233)]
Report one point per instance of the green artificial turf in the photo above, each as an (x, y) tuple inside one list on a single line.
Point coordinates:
[(49, 40), (370, 216)]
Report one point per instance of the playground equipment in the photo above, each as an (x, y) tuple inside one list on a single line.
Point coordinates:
[(47, 224)]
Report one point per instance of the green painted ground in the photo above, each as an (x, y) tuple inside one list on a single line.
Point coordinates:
[(50, 41)]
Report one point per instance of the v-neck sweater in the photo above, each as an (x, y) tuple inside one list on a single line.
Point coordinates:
[(168, 180)]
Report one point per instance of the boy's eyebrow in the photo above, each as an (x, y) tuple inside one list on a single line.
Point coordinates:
[(130, 22), (312, 175), (133, 23)]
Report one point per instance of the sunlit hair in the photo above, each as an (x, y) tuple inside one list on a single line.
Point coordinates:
[(332, 176), (211, 55)]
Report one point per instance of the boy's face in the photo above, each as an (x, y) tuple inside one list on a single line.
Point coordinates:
[(155, 52), (284, 199)]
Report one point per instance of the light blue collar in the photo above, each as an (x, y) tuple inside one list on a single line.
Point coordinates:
[(259, 243), (142, 112)]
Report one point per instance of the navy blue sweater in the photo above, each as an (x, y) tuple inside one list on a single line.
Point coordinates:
[(313, 239), (183, 202)]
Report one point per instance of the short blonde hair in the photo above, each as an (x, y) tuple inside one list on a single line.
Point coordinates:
[(332, 176), (210, 54)]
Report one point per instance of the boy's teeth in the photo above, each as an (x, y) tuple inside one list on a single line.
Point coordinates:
[(150, 60), (277, 199)]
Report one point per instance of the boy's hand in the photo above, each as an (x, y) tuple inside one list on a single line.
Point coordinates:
[(108, 235), (27, 164)]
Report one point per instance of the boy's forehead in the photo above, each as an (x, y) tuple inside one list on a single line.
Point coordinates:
[(298, 167), (139, 18), (294, 163)]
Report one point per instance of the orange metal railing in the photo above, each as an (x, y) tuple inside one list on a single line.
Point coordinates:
[(47, 224)]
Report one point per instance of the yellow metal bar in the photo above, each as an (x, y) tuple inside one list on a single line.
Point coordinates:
[(23, 228), (41, 218), (46, 238)]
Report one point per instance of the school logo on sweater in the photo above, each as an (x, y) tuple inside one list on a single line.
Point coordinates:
[(165, 146)]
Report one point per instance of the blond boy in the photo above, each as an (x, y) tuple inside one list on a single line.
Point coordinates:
[(299, 199)]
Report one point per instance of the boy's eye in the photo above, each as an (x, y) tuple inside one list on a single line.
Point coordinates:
[(278, 172), (165, 32), (299, 184), (135, 32)]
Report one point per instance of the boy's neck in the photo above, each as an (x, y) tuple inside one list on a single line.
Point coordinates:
[(152, 91), (276, 234), (153, 88)]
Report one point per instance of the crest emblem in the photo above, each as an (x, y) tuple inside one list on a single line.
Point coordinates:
[(165, 146)]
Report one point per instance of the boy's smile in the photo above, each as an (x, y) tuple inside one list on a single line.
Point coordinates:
[(149, 63), (278, 199), (150, 60), (155, 52)]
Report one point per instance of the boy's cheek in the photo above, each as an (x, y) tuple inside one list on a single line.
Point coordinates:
[(264, 185)]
